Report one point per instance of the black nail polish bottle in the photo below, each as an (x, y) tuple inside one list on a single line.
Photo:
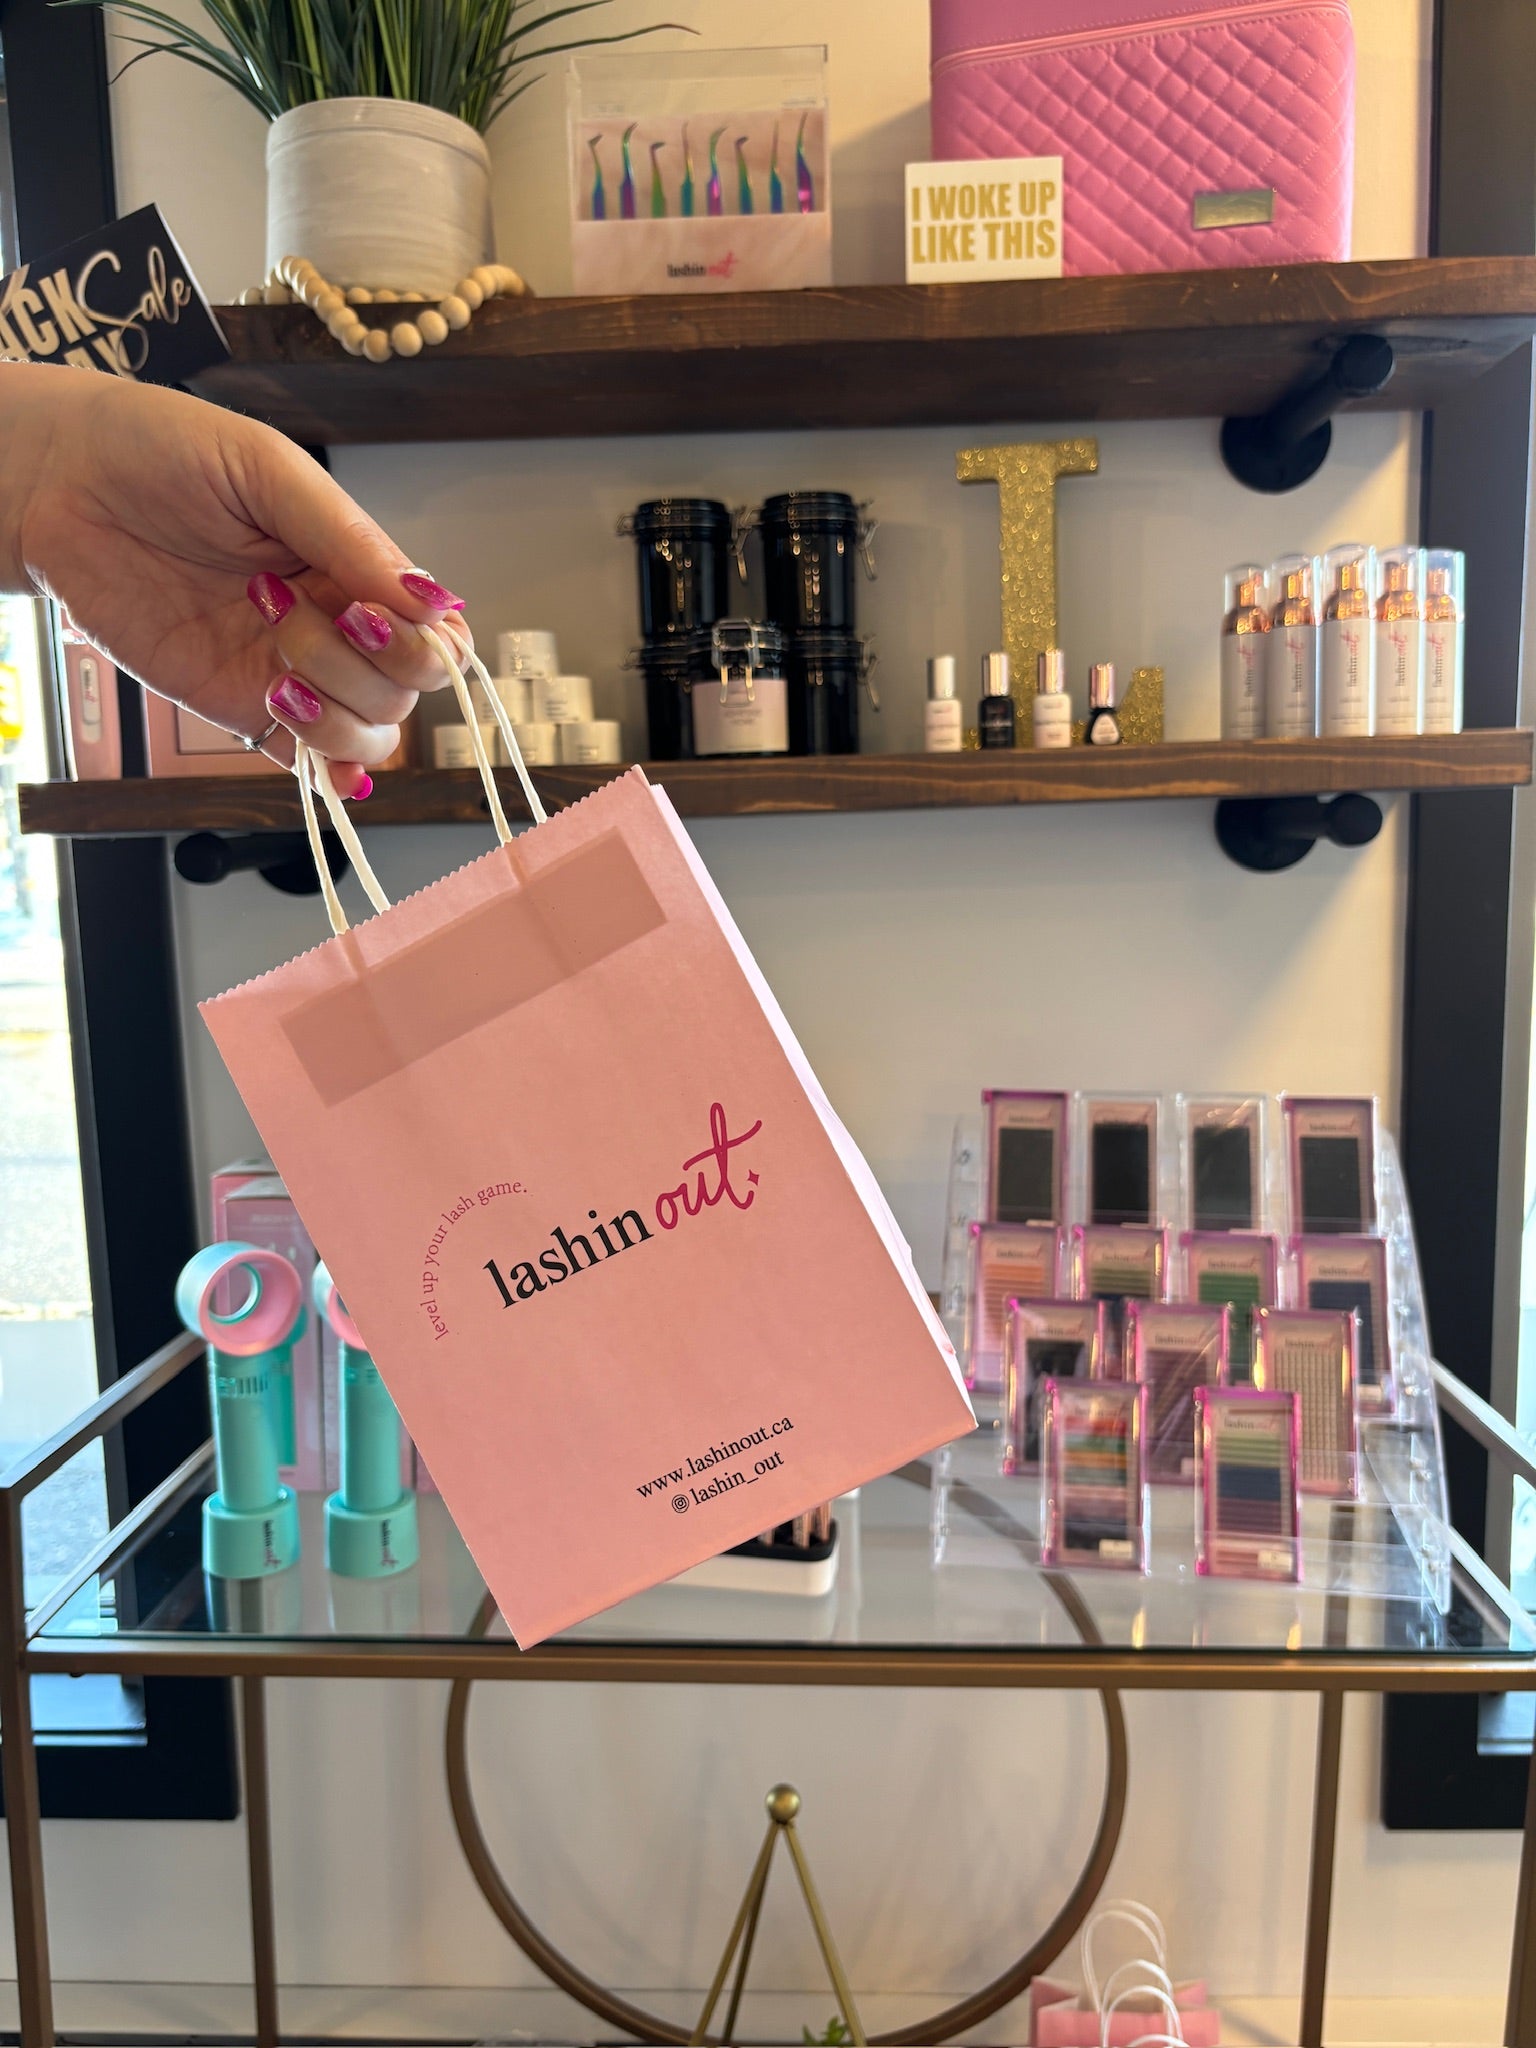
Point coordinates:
[(1103, 726), (996, 715)]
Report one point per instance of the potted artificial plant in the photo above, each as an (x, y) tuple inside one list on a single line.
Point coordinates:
[(377, 169)]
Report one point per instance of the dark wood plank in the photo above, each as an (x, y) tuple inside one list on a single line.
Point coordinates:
[(1166, 345), (866, 782)]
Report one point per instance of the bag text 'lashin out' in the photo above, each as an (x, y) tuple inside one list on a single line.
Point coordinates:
[(572, 1253)]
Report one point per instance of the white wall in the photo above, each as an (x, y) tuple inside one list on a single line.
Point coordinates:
[(919, 957)]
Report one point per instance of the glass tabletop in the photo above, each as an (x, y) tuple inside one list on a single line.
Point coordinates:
[(886, 1591)]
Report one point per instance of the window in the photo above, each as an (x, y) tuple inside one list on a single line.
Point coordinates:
[(91, 925), (47, 1336)]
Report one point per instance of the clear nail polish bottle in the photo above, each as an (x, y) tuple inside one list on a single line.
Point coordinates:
[(942, 723), (996, 716), (1052, 707)]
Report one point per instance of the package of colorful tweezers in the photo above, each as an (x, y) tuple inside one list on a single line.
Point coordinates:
[(699, 170)]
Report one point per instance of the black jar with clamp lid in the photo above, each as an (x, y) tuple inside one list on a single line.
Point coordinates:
[(670, 667), (685, 547), (743, 705), (826, 673), (811, 540), (714, 693)]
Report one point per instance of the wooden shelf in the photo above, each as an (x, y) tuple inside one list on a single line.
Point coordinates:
[(866, 782), (1208, 343)]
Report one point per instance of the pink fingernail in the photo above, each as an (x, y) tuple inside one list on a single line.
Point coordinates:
[(292, 699), (271, 597), (426, 590), (366, 628), (363, 790)]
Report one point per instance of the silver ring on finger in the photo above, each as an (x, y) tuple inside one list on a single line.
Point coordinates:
[(254, 746)]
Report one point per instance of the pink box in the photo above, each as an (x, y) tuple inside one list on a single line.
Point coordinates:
[(252, 1206), (1191, 136), (94, 724), (228, 1180), (178, 742), (225, 1181)]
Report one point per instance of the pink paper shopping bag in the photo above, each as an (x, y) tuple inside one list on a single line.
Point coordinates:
[(1137, 2001), (1059, 2019), (633, 1288)]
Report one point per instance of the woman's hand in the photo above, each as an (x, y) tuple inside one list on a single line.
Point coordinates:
[(214, 560)]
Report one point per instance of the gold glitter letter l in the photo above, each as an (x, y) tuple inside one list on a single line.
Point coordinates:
[(1025, 474)]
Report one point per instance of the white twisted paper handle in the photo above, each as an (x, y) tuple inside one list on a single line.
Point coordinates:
[(308, 766), (1131, 1913), (1156, 2031), (1139, 1974)]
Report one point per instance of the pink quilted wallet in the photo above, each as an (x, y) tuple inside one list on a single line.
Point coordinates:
[(1191, 137)]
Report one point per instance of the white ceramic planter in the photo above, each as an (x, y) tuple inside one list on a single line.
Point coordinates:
[(379, 192)]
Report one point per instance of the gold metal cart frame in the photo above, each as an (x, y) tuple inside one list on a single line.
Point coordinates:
[(25, 1650)]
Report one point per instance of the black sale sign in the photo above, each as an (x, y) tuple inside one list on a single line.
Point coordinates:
[(120, 300)]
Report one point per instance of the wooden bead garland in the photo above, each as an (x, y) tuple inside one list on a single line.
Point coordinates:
[(296, 278)]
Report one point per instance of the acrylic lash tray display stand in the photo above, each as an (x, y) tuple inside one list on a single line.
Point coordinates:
[(1388, 1540)]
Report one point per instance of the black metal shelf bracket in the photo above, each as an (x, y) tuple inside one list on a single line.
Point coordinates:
[(1267, 833), (1284, 447), (282, 859)]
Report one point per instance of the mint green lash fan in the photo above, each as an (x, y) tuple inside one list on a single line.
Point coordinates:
[(370, 1524), (251, 1524)]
